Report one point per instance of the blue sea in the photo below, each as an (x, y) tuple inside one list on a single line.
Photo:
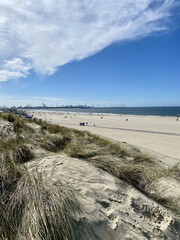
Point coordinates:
[(153, 111)]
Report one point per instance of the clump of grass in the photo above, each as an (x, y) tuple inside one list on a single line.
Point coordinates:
[(55, 143), (175, 171), (52, 128), (107, 147), (32, 206), (144, 159), (76, 150), (106, 163), (139, 171), (53, 208), (86, 145), (39, 122), (10, 175), (16, 150), (56, 129), (10, 117), (19, 125), (23, 154), (10, 144), (139, 175)]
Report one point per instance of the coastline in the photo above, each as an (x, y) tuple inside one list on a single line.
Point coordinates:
[(137, 111), (96, 114)]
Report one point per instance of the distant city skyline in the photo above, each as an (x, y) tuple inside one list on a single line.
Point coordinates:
[(99, 53)]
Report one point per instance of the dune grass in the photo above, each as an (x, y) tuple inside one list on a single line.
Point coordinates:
[(54, 143), (9, 117), (137, 169), (16, 149), (32, 206)]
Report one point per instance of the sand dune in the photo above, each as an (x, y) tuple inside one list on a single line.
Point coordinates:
[(114, 209)]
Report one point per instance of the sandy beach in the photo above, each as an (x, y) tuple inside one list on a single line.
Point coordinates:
[(152, 133)]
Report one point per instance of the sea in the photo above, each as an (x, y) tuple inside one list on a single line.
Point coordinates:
[(152, 111)]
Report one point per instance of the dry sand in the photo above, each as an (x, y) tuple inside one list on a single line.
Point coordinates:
[(113, 209), (151, 133)]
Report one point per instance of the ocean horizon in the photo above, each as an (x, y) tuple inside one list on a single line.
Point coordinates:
[(151, 111)]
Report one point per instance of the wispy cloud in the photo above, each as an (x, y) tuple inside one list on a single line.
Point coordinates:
[(14, 68), (43, 35)]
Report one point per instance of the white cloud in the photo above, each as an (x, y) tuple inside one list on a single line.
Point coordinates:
[(14, 69), (51, 33)]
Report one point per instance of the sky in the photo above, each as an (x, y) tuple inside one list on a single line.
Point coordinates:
[(94, 52)]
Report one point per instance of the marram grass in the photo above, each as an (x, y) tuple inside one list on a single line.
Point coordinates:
[(139, 170), (32, 206)]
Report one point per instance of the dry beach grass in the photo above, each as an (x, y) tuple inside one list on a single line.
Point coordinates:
[(50, 208), (32, 205)]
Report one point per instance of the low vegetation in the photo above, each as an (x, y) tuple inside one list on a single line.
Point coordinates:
[(133, 167), (54, 143), (50, 208), (30, 198)]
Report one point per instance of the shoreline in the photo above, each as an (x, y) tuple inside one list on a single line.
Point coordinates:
[(100, 114), (137, 111)]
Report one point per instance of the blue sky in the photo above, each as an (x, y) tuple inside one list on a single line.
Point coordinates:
[(102, 57)]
